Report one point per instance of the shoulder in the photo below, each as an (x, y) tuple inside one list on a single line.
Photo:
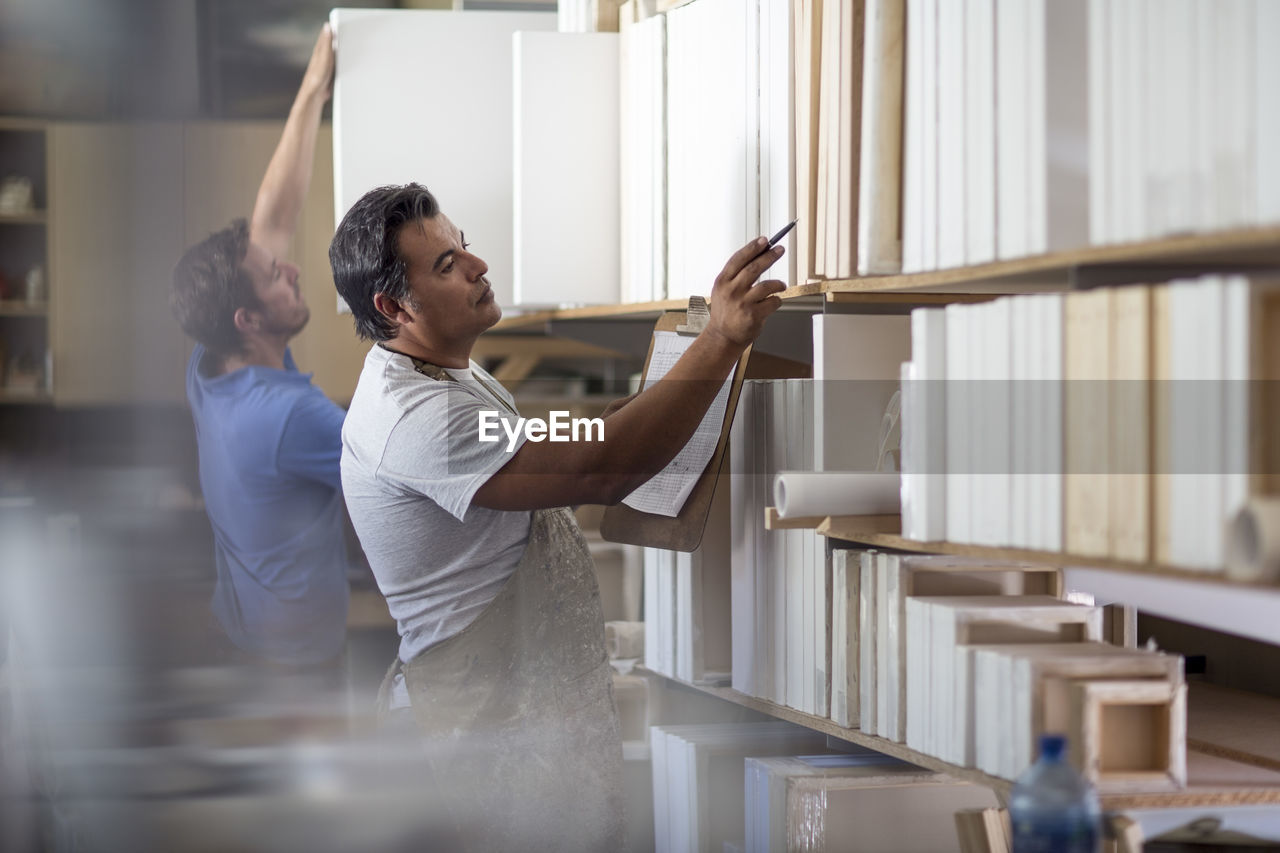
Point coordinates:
[(389, 382)]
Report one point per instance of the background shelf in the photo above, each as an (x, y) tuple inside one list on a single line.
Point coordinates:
[(1212, 779)]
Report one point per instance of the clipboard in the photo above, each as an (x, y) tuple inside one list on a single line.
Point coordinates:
[(629, 526)]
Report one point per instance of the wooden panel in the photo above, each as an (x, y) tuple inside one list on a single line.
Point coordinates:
[(223, 164), (117, 232)]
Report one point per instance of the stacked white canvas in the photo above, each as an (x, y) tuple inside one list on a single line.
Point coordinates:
[(780, 577), (885, 584), (643, 160), (924, 497), (1206, 455), (660, 610), (698, 778), (846, 571), (687, 603), (1015, 700), (995, 152), (469, 173), (565, 172), (831, 803), (574, 16), (940, 633), (1004, 428), (1183, 122)]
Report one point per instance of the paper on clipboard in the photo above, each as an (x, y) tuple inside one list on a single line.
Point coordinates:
[(665, 493)]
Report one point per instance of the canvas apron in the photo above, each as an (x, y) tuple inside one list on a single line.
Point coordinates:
[(518, 708)]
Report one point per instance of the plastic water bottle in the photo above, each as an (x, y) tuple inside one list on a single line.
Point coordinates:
[(1053, 809)]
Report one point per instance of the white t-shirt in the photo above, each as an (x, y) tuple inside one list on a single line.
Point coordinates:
[(411, 462)]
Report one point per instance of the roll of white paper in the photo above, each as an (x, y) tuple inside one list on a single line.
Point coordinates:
[(802, 494), (1253, 541)]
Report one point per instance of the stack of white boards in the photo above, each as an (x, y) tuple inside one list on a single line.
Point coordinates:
[(643, 159), (687, 604), (378, 141), (728, 114), (698, 778), (1023, 691), (1043, 411), (870, 640), (995, 153), (1184, 125), (565, 174), (587, 16), (848, 135), (833, 803), (941, 633), (779, 577)]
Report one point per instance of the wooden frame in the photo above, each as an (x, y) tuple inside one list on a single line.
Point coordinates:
[(1129, 735)]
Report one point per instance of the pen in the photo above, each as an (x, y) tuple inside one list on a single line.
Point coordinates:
[(773, 241)]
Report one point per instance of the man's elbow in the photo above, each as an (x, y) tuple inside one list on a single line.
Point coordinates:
[(610, 489)]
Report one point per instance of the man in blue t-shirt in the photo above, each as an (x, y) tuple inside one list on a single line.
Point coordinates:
[(270, 441)]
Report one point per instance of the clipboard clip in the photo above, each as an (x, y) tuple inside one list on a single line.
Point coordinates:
[(696, 318)]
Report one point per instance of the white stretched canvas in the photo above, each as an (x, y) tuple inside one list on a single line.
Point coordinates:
[(566, 169), (426, 96)]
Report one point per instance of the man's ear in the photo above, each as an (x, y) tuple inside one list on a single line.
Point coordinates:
[(392, 309), (246, 320)]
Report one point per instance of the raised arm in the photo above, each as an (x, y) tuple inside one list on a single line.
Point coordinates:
[(284, 186), (646, 433)]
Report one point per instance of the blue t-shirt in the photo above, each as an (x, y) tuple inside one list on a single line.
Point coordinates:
[(270, 446)]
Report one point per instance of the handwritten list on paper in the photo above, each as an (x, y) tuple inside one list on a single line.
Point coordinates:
[(665, 493)]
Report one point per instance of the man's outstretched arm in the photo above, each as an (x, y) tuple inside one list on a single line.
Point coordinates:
[(284, 187)]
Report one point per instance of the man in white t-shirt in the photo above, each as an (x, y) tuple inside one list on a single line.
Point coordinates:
[(490, 584)]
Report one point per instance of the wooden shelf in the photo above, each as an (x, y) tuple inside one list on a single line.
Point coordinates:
[(1234, 724), (25, 125), (803, 296), (853, 529), (1158, 259), (28, 398), (589, 312), (1151, 260), (33, 217), (18, 308), (1212, 780)]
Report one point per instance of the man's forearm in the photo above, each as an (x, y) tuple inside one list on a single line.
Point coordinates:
[(672, 409), (284, 186)]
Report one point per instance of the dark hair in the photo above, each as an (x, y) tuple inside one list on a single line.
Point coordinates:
[(365, 253), (209, 284)]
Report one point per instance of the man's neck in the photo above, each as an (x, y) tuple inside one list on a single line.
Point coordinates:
[(257, 353), (455, 356)]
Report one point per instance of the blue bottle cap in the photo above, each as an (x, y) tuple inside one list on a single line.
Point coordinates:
[(1052, 746)]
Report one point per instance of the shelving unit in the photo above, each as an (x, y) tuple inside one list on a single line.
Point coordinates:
[(24, 246), (854, 529), (1248, 249), (1242, 779)]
